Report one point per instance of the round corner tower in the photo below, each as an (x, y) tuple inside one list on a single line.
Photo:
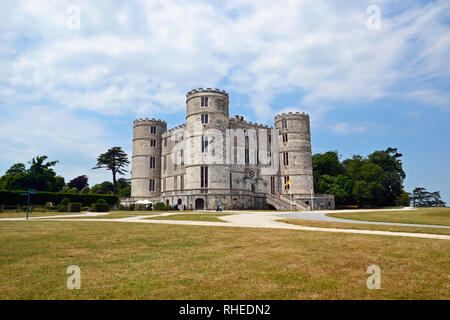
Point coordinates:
[(295, 152), (146, 159), (207, 117)]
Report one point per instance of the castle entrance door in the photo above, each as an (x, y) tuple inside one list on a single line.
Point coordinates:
[(199, 204)]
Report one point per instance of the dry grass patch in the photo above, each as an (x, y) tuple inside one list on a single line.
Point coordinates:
[(148, 261), (35, 214), (434, 216), (213, 217), (358, 226)]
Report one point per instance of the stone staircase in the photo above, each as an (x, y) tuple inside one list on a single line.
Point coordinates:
[(285, 203)]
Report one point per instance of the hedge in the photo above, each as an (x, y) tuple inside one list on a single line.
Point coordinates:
[(74, 207), (11, 198), (100, 207)]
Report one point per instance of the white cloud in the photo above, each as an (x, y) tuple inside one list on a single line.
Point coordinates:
[(142, 56), (346, 128)]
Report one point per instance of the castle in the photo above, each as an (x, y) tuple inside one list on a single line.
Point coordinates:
[(216, 160)]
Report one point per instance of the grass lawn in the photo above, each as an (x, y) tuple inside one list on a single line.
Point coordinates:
[(149, 261), (434, 216), (357, 226), (214, 217), (14, 214), (110, 216)]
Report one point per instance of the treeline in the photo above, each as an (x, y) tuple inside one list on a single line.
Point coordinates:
[(41, 176), (372, 181), (420, 197)]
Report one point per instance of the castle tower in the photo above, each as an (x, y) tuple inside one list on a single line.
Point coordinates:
[(295, 153), (146, 159), (207, 118)]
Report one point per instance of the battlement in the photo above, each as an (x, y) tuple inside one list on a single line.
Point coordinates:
[(240, 119), (144, 121), (171, 131), (201, 90), (291, 115)]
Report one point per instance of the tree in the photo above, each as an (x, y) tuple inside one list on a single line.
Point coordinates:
[(105, 187), (67, 189), (326, 163), (39, 176), (422, 198), (393, 175), (79, 182), (85, 190), (15, 169), (115, 159), (125, 192), (341, 186)]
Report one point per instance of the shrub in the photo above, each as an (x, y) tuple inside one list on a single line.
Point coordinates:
[(74, 207), (132, 207), (100, 207), (61, 208), (159, 206), (12, 198), (101, 201), (85, 209), (121, 207), (65, 201)]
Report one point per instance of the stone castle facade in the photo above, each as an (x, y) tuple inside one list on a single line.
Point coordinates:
[(214, 160)]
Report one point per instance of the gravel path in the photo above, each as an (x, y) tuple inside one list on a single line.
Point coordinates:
[(241, 220), (321, 216)]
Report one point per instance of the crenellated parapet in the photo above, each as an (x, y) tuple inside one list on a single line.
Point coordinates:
[(173, 130), (291, 115), (240, 120), (149, 122), (201, 91)]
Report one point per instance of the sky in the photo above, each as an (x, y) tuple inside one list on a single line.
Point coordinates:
[(371, 74)]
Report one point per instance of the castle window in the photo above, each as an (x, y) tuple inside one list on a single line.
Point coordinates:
[(285, 158), (283, 124), (204, 177), (152, 185), (253, 188), (175, 182), (165, 142), (204, 118), (165, 163), (152, 163), (272, 185), (204, 102), (247, 156), (152, 143), (204, 144), (286, 186), (285, 137), (181, 182), (182, 158), (152, 130), (164, 185), (269, 137)]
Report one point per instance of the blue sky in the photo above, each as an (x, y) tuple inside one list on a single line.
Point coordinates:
[(71, 93)]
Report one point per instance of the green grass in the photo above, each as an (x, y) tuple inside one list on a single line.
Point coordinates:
[(110, 216), (13, 214), (213, 217), (149, 261), (434, 216), (360, 226)]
